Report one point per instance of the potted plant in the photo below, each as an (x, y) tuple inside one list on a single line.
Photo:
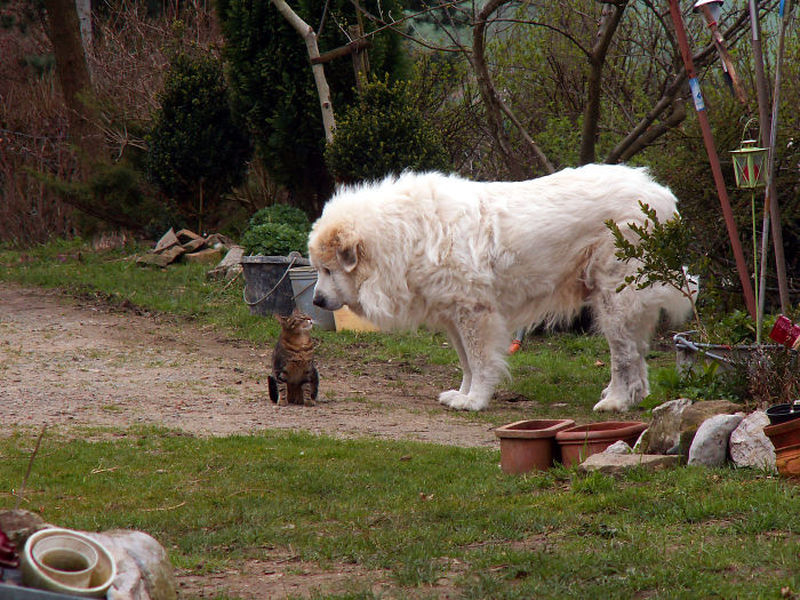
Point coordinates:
[(274, 243)]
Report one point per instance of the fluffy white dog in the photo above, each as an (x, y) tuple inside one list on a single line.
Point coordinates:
[(481, 260)]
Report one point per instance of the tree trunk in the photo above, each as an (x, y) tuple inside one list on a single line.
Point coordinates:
[(84, 8), (310, 38), (612, 15), (73, 74), (495, 107)]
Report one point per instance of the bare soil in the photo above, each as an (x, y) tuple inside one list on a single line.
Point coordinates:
[(72, 363)]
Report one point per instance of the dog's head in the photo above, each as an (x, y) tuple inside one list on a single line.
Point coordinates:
[(337, 253)]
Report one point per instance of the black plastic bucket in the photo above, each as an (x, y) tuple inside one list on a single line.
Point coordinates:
[(781, 413), (268, 288)]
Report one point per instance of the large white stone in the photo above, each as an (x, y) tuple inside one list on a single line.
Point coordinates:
[(750, 446), (144, 571), (710, 444)]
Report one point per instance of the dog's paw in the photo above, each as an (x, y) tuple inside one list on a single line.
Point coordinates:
[(450, 396), (457, 400), (611, 403)]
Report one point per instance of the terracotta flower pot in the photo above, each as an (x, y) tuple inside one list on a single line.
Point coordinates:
[(784, 435), (528, 445), (581, 441), (787, 460)]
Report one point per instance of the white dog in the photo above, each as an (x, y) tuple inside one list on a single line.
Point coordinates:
[(481, 260)]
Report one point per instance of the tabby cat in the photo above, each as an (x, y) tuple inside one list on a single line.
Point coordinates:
[(294, 378)]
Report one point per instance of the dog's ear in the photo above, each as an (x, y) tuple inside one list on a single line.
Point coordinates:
[(349, 249), (338, 242), (348, 257)]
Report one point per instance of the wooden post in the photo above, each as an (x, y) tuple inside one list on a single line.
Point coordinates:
[(716, 170), (360, 58)]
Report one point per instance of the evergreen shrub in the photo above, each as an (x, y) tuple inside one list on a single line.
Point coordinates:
[(195, 146), (384, 133), (277, 230)]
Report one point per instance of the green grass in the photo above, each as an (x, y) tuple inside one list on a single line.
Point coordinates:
[(418, 512), (422, 512)]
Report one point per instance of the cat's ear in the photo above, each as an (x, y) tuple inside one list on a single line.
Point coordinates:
[(281, 319)]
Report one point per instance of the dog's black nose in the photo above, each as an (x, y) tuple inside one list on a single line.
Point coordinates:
[(319, 300)]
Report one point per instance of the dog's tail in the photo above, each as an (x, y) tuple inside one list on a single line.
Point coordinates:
[(273, 389), (679, 305)]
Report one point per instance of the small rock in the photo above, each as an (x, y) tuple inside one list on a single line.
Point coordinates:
[(186, 235), (618, 447), (19, 524), (615, 464), (167, 240), (217, 240), (161, 259), (193, 245), (710, 444), (230, 266), (207, 256), (750, 446)]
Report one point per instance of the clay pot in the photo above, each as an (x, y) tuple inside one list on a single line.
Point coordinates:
[(529, 445), (786, 439), (581, 441), (787, 460), (784, 435)]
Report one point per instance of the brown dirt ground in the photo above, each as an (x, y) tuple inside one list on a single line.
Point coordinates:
[(72, 363)]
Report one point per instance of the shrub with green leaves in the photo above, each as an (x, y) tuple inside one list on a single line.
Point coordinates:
[(195, 147), (277, 230), (384, 134), (660, 250), (273, 87)]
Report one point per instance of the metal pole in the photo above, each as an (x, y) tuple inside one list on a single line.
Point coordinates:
[(762, 94), (786, 18), (716, 170)]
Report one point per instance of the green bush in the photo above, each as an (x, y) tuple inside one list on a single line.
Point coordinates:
[(273, 87), (194, 146), (277, 230), (384, 134), (115, 194)]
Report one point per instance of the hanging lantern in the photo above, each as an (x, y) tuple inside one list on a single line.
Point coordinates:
[(715, 6), (749, 165)]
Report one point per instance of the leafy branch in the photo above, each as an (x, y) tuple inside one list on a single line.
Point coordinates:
[(661, 251)]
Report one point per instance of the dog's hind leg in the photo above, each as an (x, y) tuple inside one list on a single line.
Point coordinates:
[(628, 325), (483, 337), (466, 371)]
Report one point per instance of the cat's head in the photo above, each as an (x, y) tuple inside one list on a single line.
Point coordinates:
[(295, 322)]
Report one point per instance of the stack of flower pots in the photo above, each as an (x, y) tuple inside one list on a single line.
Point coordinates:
[(784, 433)]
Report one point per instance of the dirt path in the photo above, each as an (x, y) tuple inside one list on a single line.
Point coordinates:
[(76, 363), (71, 363)]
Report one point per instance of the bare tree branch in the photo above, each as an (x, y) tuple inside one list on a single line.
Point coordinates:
[(310, 38)]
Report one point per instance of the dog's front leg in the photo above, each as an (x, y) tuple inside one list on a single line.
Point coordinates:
[(482, 336)]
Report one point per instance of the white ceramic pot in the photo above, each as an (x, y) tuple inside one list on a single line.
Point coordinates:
[(45, 572)]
